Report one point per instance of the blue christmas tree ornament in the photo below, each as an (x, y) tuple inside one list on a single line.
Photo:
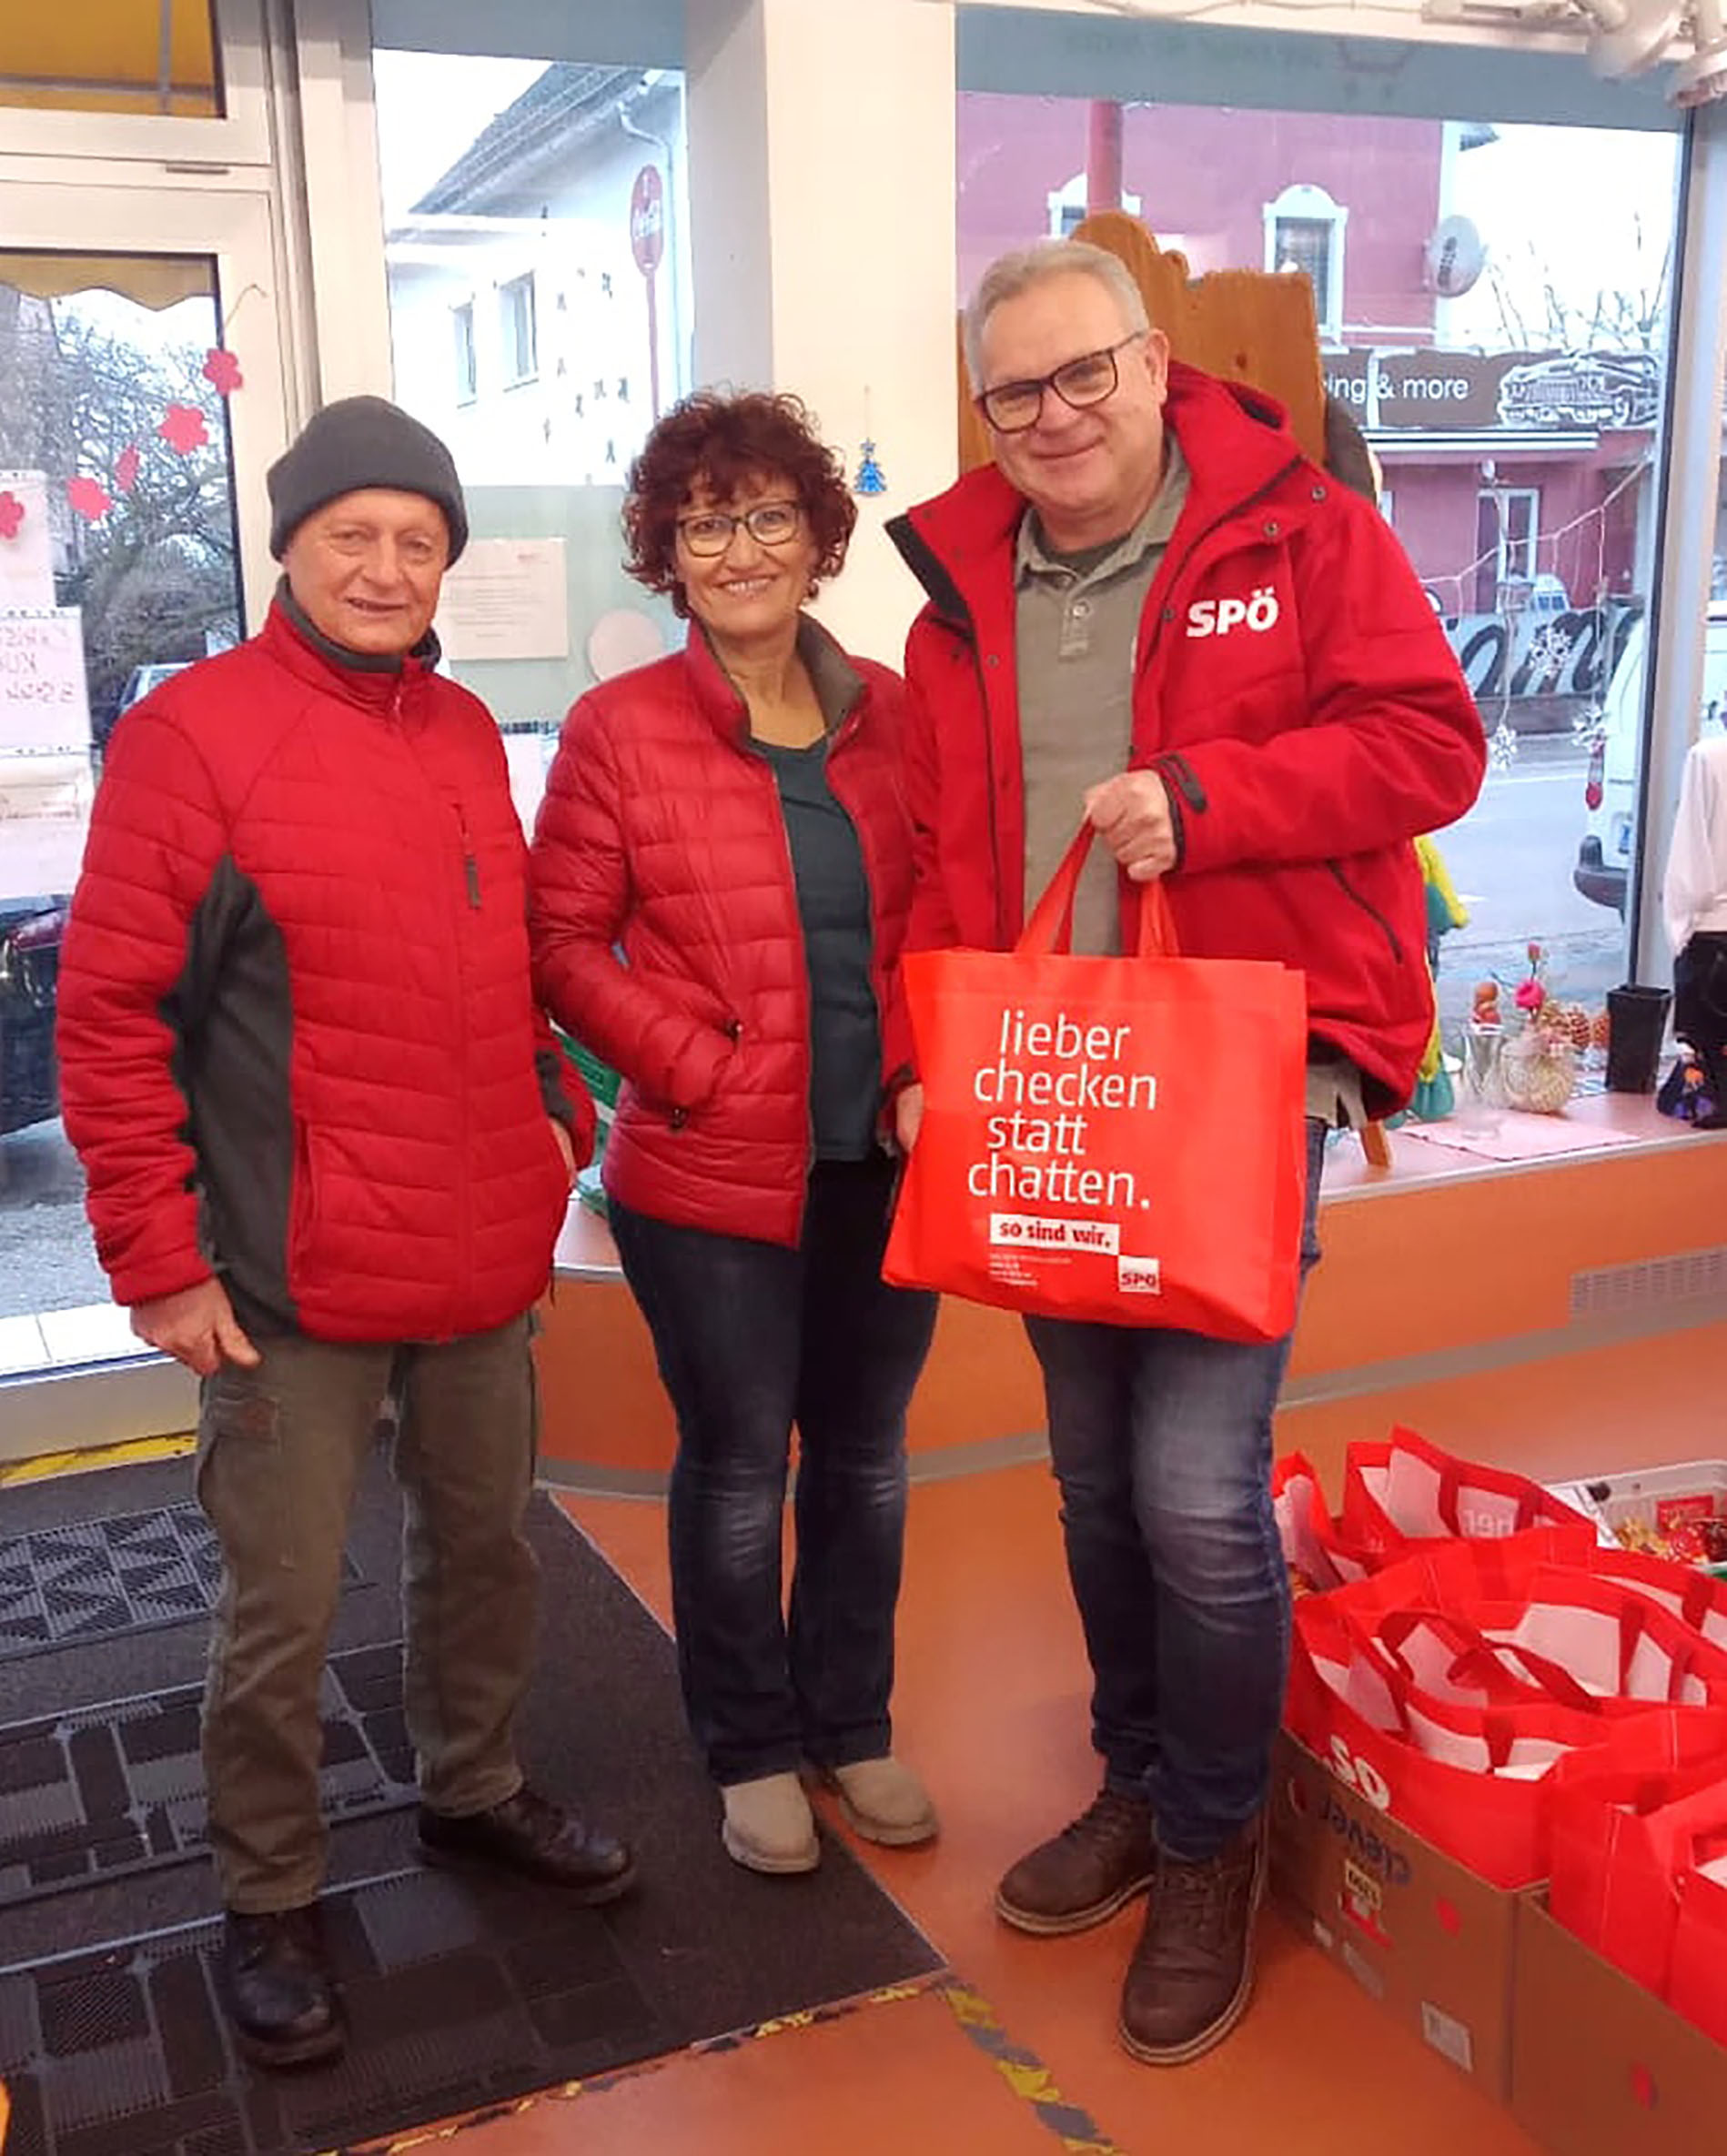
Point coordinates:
[(871, 479)]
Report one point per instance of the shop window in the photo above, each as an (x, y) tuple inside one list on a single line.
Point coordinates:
[(118, 566), (461, 321), (1515, 404), (517, 329), (553, 189)]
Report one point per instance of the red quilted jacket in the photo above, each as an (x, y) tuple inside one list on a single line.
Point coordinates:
[(298, 1043), (1294, 690), (661, 838)]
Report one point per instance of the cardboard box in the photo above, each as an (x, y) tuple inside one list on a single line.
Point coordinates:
[(1432, 1942), (1600, 2067)]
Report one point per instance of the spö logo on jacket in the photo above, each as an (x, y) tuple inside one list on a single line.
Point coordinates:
[(1218, 616)]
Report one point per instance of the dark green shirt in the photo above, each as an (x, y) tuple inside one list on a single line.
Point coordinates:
[(834, 904)]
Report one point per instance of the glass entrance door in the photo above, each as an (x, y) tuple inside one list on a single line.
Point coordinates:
[(140, 399)]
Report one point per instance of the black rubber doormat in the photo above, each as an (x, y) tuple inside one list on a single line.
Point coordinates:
[(462, 1991), (98, 1577), (98, 1791), (458, 1994)]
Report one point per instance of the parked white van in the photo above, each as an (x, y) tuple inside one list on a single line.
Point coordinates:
[(1610, 788)]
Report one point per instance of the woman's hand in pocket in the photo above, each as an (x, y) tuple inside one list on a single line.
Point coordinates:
[(908, 1115)]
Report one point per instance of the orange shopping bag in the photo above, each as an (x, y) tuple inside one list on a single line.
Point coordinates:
[(1119, 1139)]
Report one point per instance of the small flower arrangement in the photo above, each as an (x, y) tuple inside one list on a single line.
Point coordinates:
[(1537, 1071), (1531, 996), (1558, 1022)]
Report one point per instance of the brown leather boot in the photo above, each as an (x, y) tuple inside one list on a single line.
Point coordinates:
[(1191, 1975), (1085, 1873)]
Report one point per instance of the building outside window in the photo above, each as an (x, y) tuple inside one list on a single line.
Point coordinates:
[(1304, 231), (1069, 205), (461, 321), (517, 332), (1507, 527)]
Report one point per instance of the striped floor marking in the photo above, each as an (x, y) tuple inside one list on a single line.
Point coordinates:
[(126, 1455), (1029, 2079)]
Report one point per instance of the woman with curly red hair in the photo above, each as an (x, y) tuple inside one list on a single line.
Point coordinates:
[(720, 877)]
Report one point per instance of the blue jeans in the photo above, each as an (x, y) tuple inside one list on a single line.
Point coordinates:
[(1161, 1443), (752, 1337)]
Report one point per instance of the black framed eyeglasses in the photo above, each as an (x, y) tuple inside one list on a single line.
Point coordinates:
[(1011, 408), (769, 524)]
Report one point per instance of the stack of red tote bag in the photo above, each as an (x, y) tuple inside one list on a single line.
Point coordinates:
[(1536, 1704)]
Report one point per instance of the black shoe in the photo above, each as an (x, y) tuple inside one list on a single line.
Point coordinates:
[(539, 1840), (279, 1994)]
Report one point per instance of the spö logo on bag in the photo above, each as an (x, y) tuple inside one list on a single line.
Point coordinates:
[(1217, 617)]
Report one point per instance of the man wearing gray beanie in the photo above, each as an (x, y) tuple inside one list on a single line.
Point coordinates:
[(328, 1141), (363, 442)]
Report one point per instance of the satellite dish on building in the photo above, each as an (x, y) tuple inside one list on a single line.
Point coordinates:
[(1455, 257)]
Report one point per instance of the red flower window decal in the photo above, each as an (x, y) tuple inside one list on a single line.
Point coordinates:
[(89, 498), (183, 429), (221, 369), (11, 515)]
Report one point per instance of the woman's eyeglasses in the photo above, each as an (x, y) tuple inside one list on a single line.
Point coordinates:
[(1011, 408), (769, 524)]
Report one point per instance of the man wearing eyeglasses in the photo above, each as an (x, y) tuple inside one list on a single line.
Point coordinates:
[(1152, 613)]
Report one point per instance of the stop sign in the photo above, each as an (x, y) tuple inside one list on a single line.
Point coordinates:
[(647, 220)]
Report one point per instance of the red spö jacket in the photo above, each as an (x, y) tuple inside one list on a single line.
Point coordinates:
[(1292, 686), (297, 1037), (661, 836)]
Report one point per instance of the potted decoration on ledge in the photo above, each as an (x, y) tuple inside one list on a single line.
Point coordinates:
[(1538, 1064)]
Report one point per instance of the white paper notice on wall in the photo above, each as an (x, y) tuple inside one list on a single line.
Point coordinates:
[(44, 700), (506, 598), (45, 816), (27, 555)]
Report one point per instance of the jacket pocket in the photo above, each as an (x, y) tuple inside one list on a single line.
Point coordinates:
[(698, 1083), (1365, 905)]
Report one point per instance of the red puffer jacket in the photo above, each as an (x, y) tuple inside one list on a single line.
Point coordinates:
[(298, 1043), (1294, 690), (661, 835)]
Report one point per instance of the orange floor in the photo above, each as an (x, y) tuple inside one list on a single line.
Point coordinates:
[(990, 1706)]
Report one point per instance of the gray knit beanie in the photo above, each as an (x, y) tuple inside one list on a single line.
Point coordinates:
[(362, 441)]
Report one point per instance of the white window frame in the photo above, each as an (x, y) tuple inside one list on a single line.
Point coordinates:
[(1313, 206), (515, 375), (466, 351), (241, 136), (1508, 571)]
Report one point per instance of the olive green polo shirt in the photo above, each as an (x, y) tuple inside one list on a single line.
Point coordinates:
[(1076, 639)]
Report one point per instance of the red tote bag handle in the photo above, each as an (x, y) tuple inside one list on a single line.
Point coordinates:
[(1049, 927)]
